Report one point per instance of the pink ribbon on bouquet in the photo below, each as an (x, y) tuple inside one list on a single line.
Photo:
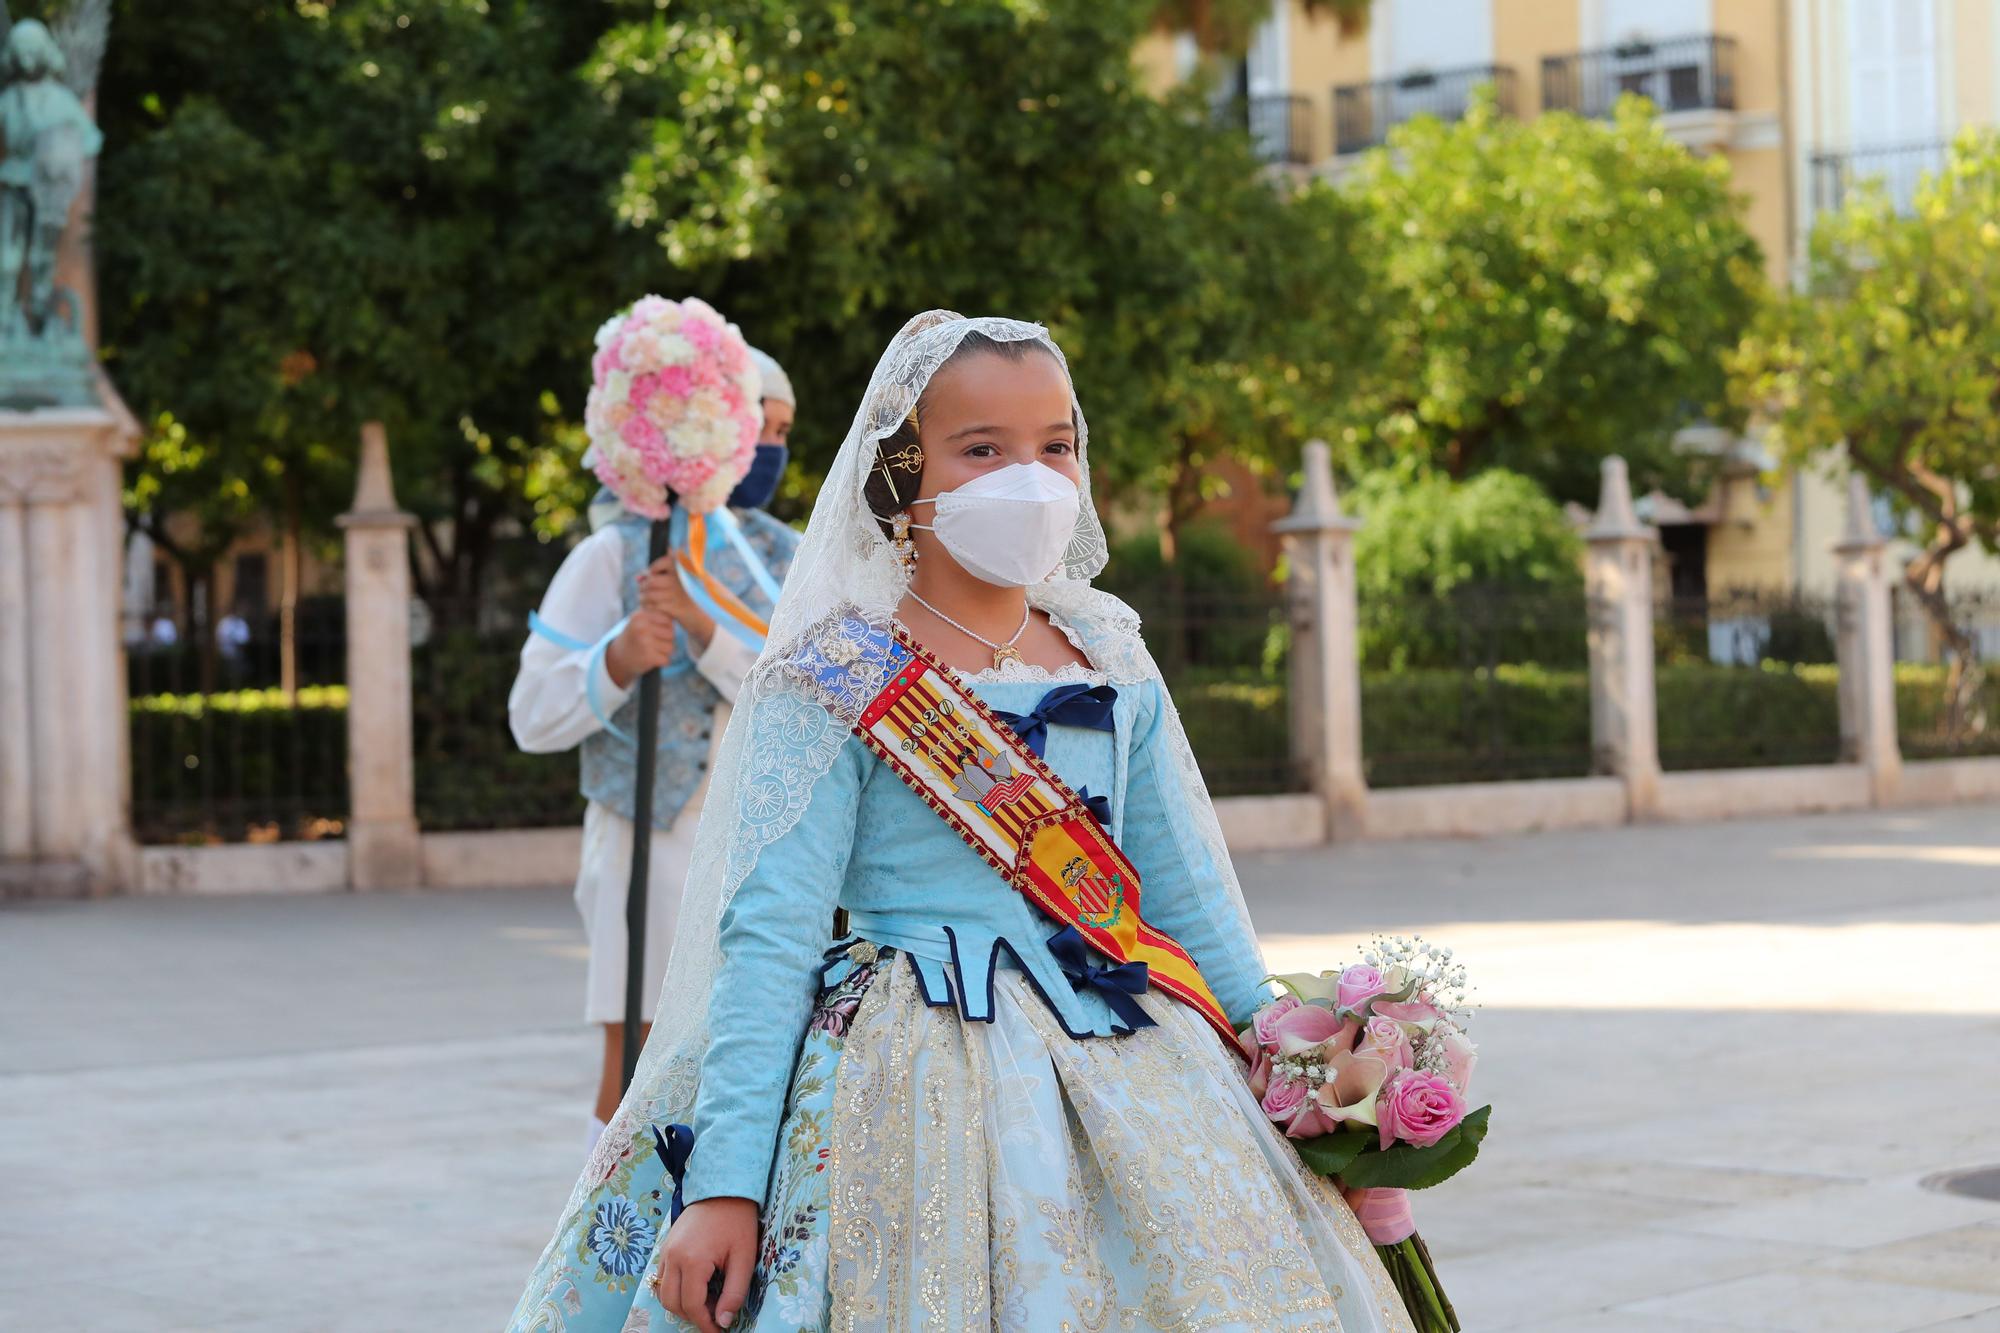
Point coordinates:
[(1384, 1214)]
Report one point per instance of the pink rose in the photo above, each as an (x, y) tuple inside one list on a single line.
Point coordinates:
[(1289, 1104), (1385, 1039), (649, 308), (1307, 1026), (1283, 1098), (735, 356), (1418, 1108), (1360, 984), (1265, 1019)]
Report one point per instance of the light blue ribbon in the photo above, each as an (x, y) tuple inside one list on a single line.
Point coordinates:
[(751, 560), (597, 651)]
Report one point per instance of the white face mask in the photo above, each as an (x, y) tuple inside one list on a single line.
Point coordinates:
[(1009, 527)]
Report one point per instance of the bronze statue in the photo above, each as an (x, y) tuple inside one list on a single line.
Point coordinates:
[(47, 139)]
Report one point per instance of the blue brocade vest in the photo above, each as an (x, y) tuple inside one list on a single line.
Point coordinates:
[(609, 761)]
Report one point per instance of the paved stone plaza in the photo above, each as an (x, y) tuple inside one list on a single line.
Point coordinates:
[(1723, 1058)]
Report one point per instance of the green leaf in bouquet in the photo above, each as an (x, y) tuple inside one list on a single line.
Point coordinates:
[(1330, 1154), (1404, 1167)]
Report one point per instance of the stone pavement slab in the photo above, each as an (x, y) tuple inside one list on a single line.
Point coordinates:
[(1722, 1059)]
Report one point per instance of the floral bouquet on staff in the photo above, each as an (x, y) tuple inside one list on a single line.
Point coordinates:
[(675, 406), (1368, 1069)]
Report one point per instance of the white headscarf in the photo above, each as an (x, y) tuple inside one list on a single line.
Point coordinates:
[(785, 734)]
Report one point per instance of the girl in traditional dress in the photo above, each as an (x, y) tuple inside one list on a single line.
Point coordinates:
[(1004, 1097)]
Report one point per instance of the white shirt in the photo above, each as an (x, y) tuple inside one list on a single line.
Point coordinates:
[(549, 710)]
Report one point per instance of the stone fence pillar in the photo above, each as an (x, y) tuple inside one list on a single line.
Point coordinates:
[(1618, 580), (1325, 654), (1866, 649), (64, 776), (383, 847)]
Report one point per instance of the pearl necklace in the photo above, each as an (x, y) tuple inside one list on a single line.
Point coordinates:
[(1002, 652)]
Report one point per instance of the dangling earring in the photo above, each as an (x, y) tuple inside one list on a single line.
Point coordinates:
[(900, 546)]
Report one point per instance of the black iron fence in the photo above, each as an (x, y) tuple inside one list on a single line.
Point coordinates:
[(1226, 660), (1900, 168), (1681, 74), (221, 749), (1364, 113), (1279, 124), (1481, 685), (1747, 677), (469, 772), (1948, 692)]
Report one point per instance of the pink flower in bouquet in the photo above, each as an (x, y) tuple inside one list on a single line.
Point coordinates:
[(677, 381), (1260, 1071), (1300, 1030), (1263, 1021), (1418, 1108), (1353, 1082), (1360, 984), (1385, 1039), (642, 435), (1417, 1013), (1460, 1055), (1290, 1104)]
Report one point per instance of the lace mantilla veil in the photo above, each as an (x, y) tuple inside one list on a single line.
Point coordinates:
[(783, 737)]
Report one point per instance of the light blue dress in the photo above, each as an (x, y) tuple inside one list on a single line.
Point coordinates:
[(944, 1128)]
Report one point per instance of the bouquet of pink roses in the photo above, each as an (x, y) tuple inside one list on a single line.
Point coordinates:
[(1368, 1070)]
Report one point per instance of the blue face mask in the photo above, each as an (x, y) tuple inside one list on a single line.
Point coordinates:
[(760, 483)]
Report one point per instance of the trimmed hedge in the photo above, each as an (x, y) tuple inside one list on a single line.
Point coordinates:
[(1921, 714), (239, 765)]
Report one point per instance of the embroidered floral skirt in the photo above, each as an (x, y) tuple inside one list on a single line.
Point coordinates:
[(935, 1174)]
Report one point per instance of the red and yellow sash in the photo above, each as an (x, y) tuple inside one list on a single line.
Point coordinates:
[(1026, 822)]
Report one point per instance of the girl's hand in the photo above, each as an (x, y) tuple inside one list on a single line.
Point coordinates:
[(647, 641), (660, 591), (716, 1238)]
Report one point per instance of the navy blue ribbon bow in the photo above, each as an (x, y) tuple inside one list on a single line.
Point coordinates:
[(675, 1145), (1099, 806), (1066, 706), (1115, 983)]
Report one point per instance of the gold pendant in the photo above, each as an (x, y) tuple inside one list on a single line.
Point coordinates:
[(1006, 653)]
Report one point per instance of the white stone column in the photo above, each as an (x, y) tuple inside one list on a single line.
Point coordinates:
[(384, 850), (1866, 649), (17, 842), (1326, 645), (64, 786), (1618, 576)]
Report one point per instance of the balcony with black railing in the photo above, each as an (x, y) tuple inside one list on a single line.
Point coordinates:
[(1364, 113), (1279, 124), (1899, 167), (1679, 74)]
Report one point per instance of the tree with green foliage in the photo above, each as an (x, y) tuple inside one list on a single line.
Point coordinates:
[(1543, 293), (1453, 572), (1892, 352), (1001, 156), (313, 215)]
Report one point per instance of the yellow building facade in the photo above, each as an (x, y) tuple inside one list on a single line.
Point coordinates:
[(1803, 98)]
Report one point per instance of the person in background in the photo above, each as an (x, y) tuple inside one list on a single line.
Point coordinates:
[(569, 688)]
